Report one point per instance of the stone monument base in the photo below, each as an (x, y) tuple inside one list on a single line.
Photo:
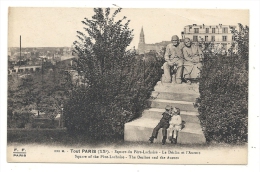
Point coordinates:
[(182, 96)]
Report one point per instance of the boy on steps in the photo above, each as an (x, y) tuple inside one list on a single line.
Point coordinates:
[(164, 124), (175, 125)]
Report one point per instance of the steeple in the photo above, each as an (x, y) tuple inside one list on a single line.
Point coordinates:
[(142, 32), (141, 45), (142, 36)]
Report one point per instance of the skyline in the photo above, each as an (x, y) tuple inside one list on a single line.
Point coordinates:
[(44, 27)]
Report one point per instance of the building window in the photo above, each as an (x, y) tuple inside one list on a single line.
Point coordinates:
[(233, 38), (212, 38), (225, 30), (224, 38), (207, 30), (213, 30), (195, 38), (206, 38), (196, 30)]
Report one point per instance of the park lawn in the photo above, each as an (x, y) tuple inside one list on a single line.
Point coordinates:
[(50, 137), (60, 137)]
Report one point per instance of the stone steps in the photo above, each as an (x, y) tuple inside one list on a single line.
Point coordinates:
[(141, 130), (161, 104), (174, 96), (156, 113), (177, 95), (177, 88)]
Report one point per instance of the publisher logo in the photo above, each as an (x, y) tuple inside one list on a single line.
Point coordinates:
[(19, 152)]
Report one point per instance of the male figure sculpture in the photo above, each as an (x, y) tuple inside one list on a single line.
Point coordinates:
[(174, 59)]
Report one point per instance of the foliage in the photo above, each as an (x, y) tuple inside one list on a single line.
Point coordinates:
[(241, 40), (43, 91), (224, 95), (44, 123), (19, 119), (119, 80)]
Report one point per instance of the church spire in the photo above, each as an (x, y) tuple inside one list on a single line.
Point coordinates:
[(141, 40), (141, 45), (142, 32)]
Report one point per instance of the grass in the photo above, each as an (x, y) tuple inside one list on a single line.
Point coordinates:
[(60, 137), (52, 137)]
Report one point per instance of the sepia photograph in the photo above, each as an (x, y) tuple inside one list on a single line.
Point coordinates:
[(115, 85)]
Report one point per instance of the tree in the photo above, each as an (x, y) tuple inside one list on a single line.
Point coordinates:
[(43, 91), (241, 38), (118, 82), (103, 51), (103, 60)]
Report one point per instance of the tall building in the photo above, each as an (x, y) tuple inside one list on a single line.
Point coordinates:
[(218, 34), (141, 45), (144, 48)]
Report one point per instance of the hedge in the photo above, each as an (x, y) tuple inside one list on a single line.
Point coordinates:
[(224, 98)]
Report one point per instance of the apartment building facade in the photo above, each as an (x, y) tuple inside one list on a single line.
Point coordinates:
[(217, 34)]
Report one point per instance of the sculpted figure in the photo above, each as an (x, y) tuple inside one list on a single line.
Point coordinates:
[(174, 60), (192, 61)]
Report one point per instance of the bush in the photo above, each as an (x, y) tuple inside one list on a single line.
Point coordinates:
[(43, 91), (19, 119), (45, 123), (224, 99), (104, 116), (224, 92)]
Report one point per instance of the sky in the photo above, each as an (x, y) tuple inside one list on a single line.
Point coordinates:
[(57, 26)]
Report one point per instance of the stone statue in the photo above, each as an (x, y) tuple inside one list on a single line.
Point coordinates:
[(192, 61), (174, 61)]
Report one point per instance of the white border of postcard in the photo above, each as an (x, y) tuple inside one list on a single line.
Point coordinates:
[(253, 144)]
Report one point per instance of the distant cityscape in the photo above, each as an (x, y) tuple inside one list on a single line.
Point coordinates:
[(219, 34), (30, 59)]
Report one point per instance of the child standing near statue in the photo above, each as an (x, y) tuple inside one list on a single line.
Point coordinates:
[(175, 125), (164, 124)]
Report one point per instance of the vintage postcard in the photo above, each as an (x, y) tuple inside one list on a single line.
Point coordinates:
[(128, 85)]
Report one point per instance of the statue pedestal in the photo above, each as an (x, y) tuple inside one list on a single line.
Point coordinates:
[(174, 79), (182, 96), (171, 80), (166, 79), (192, 88)]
